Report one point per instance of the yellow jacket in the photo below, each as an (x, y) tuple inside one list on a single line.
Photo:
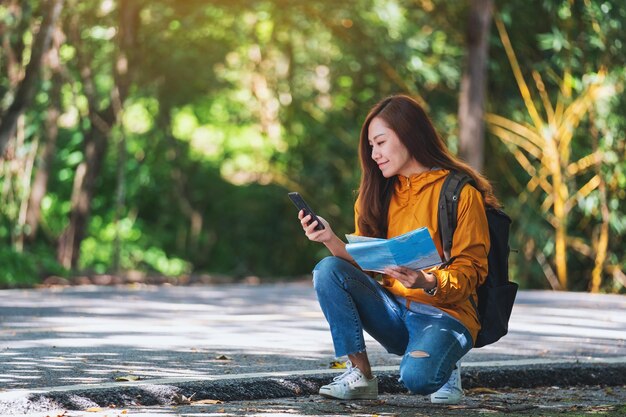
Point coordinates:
[(414, 205)]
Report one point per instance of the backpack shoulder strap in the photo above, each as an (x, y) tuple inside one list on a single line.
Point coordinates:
[(448, 208)]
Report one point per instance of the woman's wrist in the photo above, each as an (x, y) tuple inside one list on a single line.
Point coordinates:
[(430, 287), (333, 243), (336, 246)]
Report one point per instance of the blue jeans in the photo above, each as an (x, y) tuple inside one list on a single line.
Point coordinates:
[(430, 340)]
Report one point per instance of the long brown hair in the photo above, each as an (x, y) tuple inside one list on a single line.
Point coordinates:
[(409, 121)]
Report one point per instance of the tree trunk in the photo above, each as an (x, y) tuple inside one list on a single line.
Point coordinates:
[(24, 159), (47, 151), (13, 44), (27, 88), (120, 197), (188, 242), (87, 172), (473, 84), (96, 142)]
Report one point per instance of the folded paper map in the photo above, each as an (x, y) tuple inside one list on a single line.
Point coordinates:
[(415, 250)]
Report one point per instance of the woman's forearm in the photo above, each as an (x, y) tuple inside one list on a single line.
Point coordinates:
[(337, 247)]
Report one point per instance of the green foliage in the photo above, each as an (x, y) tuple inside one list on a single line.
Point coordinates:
[(573, 41), (233, 104), (27, 269), (17, 269), (137, 251)]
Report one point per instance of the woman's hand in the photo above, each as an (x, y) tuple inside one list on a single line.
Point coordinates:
[(321, 236), (412, 279)]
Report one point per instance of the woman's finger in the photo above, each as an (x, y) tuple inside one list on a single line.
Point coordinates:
[(400, 271), (310, 227), (304, 221)]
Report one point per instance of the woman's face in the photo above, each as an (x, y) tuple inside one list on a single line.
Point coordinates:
[(389, 152)]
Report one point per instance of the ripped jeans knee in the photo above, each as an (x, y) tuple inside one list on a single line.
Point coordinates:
[(419, 354), (420, 373)]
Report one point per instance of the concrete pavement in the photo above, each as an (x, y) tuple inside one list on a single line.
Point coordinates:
[(78, 342)]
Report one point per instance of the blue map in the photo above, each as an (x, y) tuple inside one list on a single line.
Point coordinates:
[(415, 250)]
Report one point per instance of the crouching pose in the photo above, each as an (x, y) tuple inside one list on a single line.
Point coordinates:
[(424, 316)]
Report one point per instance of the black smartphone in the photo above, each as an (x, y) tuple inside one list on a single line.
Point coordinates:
[(302, 205)]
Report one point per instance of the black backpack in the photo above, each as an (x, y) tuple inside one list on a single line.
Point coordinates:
[(497, 294)]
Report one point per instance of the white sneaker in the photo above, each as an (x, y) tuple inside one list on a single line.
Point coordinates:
[(451, 392), (351, 385)]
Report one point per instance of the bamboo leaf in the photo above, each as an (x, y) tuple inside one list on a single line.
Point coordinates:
[(566, 85), (576, 111), (517, 72), (584, 191), (521, 159), (530, 134), (517, 187), (585, 163), (548, 271), (572, 117), (551, 218), (580, 246), (559, 110), (515, 140), (540, 179), (530, 170), (547, 204), (544, 96)]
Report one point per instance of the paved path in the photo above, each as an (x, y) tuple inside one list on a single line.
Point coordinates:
[(538, 402), (91, 335)]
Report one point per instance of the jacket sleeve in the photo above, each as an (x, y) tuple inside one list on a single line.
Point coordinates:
[(470, 246)]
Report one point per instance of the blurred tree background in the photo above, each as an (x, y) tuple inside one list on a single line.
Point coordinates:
[(162, 136)]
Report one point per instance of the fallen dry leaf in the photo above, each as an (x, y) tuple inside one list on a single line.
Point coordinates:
[(208, 402), (337, 365), (128, 378), (482, 390), (181, 399), (93, 409)]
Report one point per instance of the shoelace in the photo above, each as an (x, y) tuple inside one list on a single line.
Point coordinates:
[(343, 378), (451, 382)]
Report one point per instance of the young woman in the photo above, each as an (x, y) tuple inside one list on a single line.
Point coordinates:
[(425, 316)]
